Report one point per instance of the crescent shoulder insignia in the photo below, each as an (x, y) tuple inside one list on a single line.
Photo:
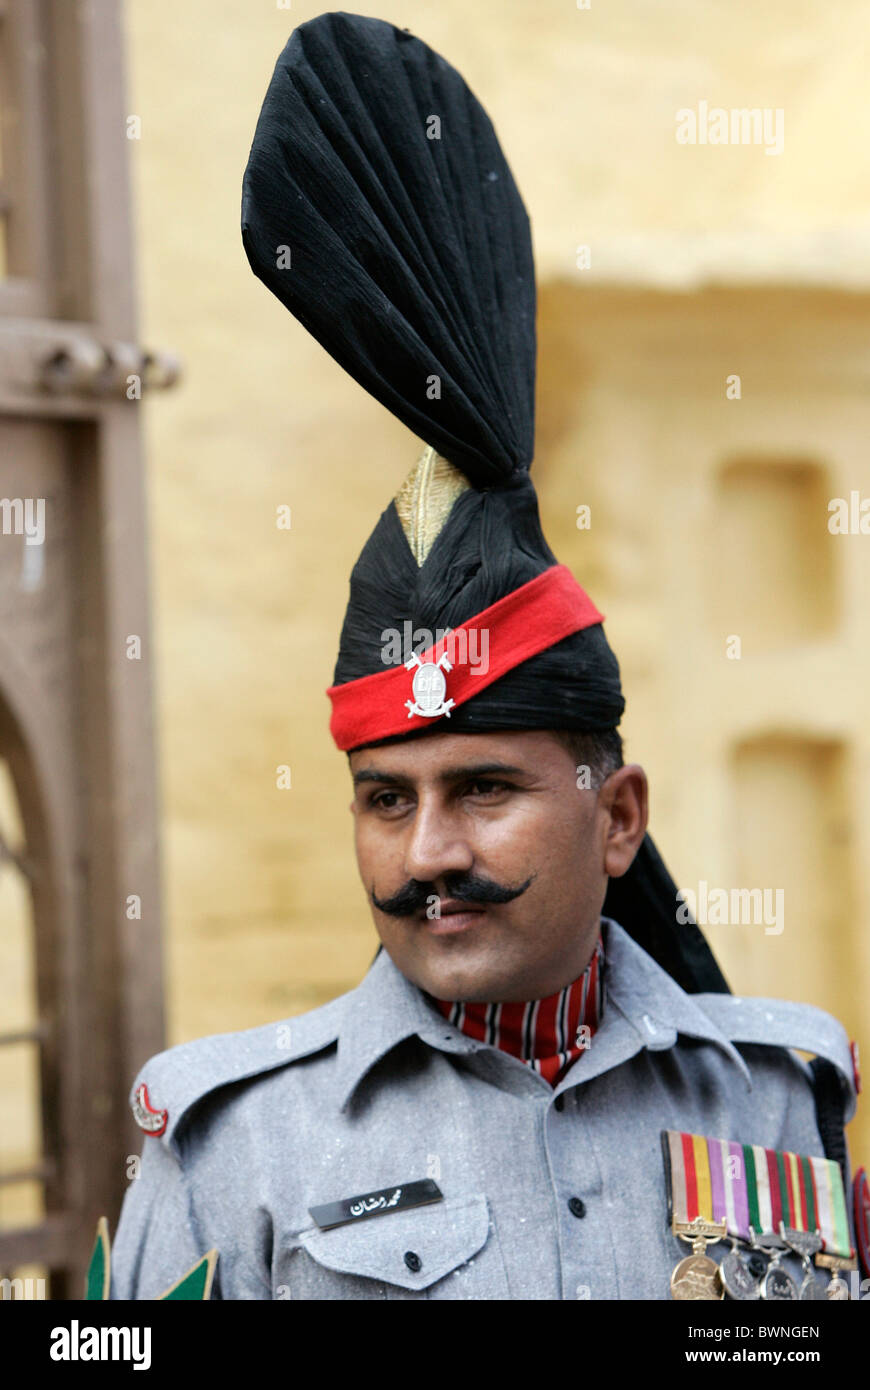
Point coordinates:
[(147, 1118)]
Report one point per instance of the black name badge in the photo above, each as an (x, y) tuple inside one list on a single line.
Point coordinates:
[(398, 1198)]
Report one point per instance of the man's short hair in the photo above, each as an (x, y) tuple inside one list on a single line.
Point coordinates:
[(601, 752)]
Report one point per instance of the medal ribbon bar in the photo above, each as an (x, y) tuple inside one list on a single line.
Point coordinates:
[(743, 1185)]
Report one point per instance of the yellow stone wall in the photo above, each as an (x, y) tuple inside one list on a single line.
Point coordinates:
[(265, 915), (708, 514)]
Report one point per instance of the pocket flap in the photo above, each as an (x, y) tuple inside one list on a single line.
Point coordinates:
[(442, 1236)]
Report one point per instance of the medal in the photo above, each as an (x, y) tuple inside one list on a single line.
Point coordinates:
[(836, 1288), (737, 1278), (774, 1201), (810, 1289), (805, 1244), (777, 1284), (697, 1276)]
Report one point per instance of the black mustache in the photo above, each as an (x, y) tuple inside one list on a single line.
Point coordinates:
[(414, 897)]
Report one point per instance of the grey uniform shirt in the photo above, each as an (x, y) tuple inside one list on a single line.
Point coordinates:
[(548, 1193)]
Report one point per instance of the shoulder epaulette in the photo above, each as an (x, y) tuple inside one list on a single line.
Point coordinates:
[(171, 1082), (781, 1023)]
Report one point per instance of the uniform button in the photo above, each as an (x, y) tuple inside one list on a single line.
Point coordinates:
[(757, 1264), (576, 1206), (413, 1261), (559, 1102)]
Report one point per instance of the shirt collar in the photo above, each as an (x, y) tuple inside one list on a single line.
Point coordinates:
[(384, 1010), (645, 1009), (540, 1032)]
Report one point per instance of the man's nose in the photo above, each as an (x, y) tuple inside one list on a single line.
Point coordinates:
[(437, 845)]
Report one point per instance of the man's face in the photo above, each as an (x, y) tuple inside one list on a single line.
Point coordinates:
[(503, 812)]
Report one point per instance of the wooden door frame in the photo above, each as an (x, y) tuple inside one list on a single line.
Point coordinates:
[(70, 194)]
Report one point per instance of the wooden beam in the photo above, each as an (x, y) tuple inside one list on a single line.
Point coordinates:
[(48, 1244)]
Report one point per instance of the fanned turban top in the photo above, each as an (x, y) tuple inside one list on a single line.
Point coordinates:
[(377, 205)]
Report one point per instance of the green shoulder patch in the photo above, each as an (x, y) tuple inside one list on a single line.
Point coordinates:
[(97, 1277), (195, 1285)]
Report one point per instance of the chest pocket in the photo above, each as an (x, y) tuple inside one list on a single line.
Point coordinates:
[(447, 1249)]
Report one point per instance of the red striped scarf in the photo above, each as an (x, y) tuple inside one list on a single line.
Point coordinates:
[(542, 1032)]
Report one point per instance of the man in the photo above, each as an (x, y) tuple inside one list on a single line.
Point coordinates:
[(542, 1088)]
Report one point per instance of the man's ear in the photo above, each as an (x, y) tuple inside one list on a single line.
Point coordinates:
[(624, 797)]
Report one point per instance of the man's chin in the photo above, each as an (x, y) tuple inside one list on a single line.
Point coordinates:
[(457, 973)]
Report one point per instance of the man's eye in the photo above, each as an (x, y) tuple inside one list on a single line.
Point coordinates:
[(484, 787), (385, 801)]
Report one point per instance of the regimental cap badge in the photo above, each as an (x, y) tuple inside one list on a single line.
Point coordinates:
[(429, 687), (147, 1118)]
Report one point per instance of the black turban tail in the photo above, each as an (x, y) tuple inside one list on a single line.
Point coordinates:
[(378, 207)]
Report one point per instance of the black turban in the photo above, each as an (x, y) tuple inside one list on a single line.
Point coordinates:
[(377, 205)]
